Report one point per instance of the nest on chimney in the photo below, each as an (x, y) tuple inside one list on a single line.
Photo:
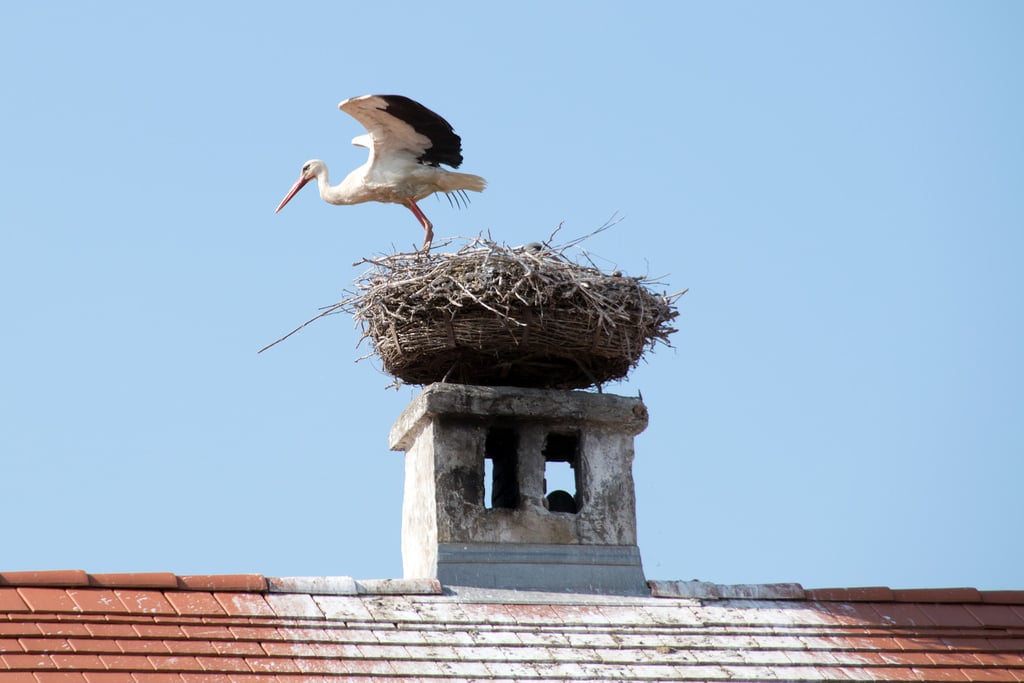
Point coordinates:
[(516, 316), (491, 314)]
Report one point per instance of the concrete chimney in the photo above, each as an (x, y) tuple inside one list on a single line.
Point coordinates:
[(462, 441)]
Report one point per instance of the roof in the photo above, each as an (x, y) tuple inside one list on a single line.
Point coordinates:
[(159, 628)]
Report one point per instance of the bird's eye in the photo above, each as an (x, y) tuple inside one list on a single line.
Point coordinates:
[(305, 169)]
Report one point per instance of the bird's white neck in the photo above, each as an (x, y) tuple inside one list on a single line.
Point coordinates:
[(339, 194)]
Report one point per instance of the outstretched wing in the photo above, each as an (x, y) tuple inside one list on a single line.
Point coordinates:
[(398, 126)]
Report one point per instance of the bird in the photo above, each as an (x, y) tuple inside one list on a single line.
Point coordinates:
[(407, 143)]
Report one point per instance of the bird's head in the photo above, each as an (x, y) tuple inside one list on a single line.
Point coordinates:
[(311, 169)]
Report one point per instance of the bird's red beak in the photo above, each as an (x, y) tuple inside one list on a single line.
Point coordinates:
[(292, 192)]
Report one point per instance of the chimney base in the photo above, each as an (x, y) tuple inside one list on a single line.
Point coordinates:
[(595, 569)]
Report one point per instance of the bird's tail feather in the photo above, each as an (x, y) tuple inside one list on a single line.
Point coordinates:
[(455, 182)]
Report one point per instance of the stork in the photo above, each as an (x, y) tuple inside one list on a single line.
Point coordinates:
[(407, 143)]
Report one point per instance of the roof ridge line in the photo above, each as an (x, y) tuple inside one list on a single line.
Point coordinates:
[(221, 583), (705, 590), (346, 585)]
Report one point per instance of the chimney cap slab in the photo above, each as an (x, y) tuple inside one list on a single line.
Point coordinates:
[(626, 414)]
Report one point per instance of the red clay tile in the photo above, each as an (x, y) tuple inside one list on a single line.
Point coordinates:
[(190, 647), (238, 647), (954, 659), (44, 645), (272, 665), (10, 601), (64, 577), (255, 632), (206, 632), (17, 629), (97, 601), (48, 599), (62, 628), (77, 661), (865, 594), (288, 649), (901, 614), (16, 677), (997, 615), (939, 674), (187, 677), (919, 642), (26, 661), (204, 678), (126, 662), (137, 580), (223, 664), (108, 677), (1003, 597), (1001, 659), (144, 602), (987, 675), (98, 645), (159, 677), (937, 595), (319, 666), (849, 613), (60, 677), (224, 582), (136, 646), (175, 663), (111, 630), (244, 604), (158, 630), (949, 615), (194, 603)]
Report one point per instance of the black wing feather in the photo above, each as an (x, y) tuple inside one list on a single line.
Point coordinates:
[(446, 147)]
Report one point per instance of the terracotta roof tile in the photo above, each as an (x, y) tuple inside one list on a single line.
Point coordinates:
[(937, 595), (244, 604), (238, 648), (62, 578), (194, 603), (11, 602), (224, 582), (139, 580), (105, 630), (116, 662), (141, 646), (60, 677), (144, 602), (48, 599), (98, 601), (246, 628)]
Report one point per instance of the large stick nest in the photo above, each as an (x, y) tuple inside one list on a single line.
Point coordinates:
[(496, 315)]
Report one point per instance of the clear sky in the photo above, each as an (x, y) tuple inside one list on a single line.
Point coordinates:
[(840, 185)]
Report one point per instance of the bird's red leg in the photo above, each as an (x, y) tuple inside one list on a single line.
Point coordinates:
[(428, 228)]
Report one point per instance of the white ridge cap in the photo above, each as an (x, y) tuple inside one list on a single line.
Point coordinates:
[(346, 585)]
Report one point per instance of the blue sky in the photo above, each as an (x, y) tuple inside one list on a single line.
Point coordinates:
[(839, 185)]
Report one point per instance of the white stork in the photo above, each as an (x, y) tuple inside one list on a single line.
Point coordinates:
[(407, 143)]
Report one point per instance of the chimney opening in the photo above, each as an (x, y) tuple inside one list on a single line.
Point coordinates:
[(501, 465), (561, 481)]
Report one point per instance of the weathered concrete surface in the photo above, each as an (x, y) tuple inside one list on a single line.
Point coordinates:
[(444, 433), (567, 407)]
